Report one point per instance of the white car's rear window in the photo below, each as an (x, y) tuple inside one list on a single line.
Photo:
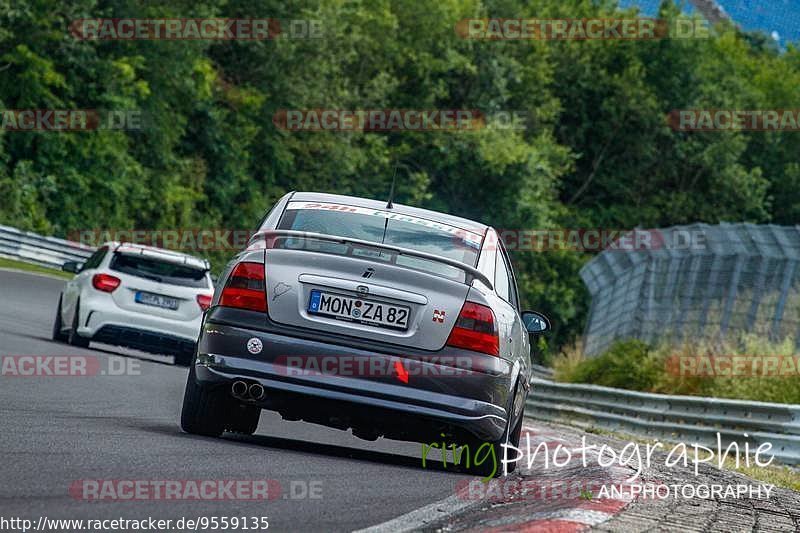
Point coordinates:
[(161, 271)]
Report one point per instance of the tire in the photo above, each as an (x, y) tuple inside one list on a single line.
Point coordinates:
[(74, 338), (513, 440), (203, 410), (244, 419), (183, 359), (58, 333), (511, 435)]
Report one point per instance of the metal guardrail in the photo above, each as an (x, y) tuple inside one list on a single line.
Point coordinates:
[(542, 372), (688, 419), (43, 251)]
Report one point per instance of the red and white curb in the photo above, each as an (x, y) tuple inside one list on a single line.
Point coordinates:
[(517, 513), (570, 514)]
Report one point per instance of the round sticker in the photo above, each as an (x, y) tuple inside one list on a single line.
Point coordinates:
[(254, 346)]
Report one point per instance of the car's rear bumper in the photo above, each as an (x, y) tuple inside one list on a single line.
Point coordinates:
[(101, 318), (316, 379), (147, 341)]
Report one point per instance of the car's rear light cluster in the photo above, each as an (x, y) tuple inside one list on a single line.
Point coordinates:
[(105, 282), (246, 288), (204, 301), (475, 330)]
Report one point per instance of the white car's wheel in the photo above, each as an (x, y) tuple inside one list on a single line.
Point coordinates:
[(74, 338), (58, 329)]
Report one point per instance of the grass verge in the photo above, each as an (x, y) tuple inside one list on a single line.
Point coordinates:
[(763, 371), (27, 267)]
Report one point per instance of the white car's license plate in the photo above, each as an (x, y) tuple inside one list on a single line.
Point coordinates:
[(358, 310), (156, 300)]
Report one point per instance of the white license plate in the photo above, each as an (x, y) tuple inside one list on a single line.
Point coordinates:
[(358, 310), (156, 300)]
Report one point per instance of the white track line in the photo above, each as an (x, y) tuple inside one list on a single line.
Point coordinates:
[(421, 517)]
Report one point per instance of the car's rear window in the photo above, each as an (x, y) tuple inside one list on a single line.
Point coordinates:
[(162, 271), (383, 227)]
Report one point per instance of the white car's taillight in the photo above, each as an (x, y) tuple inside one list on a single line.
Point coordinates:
[(105, 282), (204, 301)]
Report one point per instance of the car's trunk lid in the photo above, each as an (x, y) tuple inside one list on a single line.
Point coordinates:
[(301, 282)]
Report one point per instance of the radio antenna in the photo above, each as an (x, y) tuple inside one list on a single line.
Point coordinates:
[(390, 203)]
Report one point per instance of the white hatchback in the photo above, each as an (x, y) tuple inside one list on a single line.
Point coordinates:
[(136, 296)]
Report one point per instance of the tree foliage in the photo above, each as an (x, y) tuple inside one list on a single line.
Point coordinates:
[(597, 151)]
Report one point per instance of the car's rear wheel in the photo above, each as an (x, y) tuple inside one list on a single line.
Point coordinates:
[(513, 440), (183, 358), (74, 338), (211, 411), (511, 436), (58, 333), (204, 408)]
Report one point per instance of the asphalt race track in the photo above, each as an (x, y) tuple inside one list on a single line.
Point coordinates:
[(58, 430)]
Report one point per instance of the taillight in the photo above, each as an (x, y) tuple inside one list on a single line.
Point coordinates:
[(105, 283), (204, 301), (475, 330), (246, 288)]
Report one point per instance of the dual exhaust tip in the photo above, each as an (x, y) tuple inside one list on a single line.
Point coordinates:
[(243, 391)]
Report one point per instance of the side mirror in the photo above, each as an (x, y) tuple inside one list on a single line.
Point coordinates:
[(71, 266), (535, 322)]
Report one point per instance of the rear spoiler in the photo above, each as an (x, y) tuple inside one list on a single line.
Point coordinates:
[(269, 237), (167, 256)]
